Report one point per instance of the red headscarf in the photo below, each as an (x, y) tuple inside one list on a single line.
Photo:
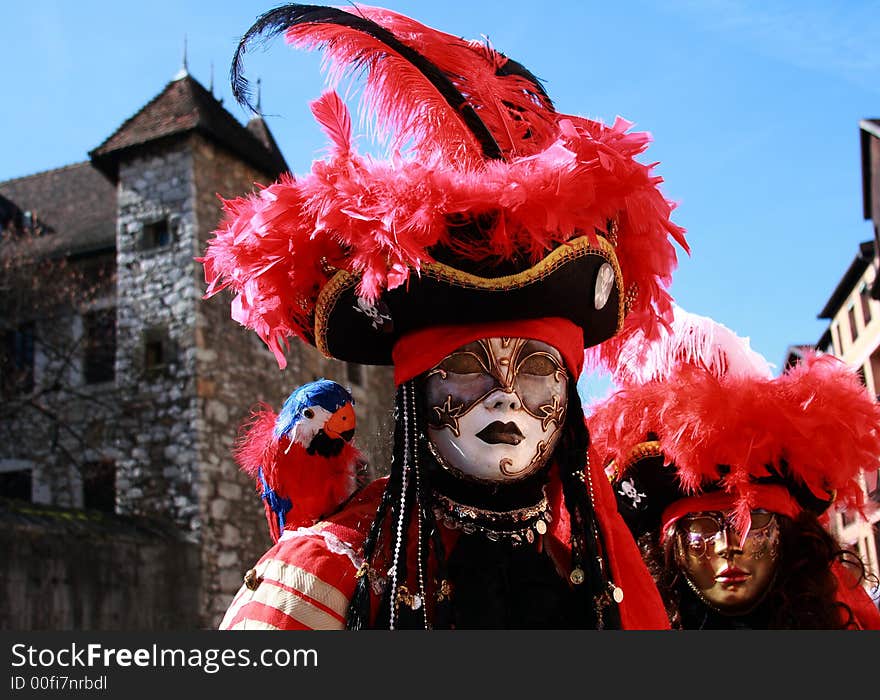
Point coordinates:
[(421, 350)]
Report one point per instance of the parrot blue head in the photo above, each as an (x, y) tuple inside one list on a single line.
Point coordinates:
[(319, 416)]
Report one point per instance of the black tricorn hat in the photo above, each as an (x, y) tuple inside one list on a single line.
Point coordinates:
[(579, 281), (644, 487)]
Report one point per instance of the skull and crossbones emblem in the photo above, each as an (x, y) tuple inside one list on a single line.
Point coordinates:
[(371, 311), (628, 490)]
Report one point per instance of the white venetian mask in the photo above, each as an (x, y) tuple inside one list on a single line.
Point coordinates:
[(496, 407)]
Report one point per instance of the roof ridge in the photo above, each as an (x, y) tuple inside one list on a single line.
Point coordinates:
[(185, 105), (40, 173), (137, 112)]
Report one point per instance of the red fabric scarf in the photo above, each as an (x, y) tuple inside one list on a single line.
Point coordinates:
[(421, 350)]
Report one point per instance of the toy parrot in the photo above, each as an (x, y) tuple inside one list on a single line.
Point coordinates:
[(301, 459)]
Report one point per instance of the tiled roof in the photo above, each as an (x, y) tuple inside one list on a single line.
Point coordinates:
[(182, 107), (75, 203)]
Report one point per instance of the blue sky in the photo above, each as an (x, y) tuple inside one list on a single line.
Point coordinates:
[(754, 108)]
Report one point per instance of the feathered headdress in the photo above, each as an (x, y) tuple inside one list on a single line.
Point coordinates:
[(710, 418), (691, 339), (491, 206)]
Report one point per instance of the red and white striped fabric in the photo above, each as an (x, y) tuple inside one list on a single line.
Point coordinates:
[(307, 578)]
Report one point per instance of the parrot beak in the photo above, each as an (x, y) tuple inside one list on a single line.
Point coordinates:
[(340, 425)]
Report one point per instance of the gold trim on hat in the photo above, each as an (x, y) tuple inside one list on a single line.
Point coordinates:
[(570, 250), (644, 450)]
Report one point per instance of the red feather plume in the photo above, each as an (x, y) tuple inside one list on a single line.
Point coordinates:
[(514, 107), (406, 106), (817, 418), (332, 114), (564, 177)]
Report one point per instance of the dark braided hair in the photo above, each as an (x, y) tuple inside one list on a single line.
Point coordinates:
[(393, 518), (359, 613), (587, 551)]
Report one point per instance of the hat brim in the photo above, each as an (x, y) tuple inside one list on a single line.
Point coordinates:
[(652, 486), (562, 284)]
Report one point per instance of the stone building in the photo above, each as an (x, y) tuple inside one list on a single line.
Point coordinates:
[(156, 380)]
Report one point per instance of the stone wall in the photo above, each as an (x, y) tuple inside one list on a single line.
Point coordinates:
[(235, 372), (156, 356), (82, 570)]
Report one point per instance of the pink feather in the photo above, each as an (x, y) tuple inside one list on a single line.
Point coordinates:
[(332, 114), (520, 117), (692, 339), (407, 107)]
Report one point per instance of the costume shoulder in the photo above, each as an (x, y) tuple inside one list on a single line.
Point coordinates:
[(307, 578), (641, 607)]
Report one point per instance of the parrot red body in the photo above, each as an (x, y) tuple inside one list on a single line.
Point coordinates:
[(301, 483)]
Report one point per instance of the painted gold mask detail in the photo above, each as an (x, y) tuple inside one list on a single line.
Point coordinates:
[(495, 407)]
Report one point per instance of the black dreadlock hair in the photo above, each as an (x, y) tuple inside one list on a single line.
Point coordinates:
[(587, 550), (409, 490), (358, 615)]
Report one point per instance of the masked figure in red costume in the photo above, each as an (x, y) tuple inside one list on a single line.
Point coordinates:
[(500, 240), (723, 473)]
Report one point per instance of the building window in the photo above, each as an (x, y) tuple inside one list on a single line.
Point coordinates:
[(861, 373), (17, 484), (99, 485), (156, 234), (354, 373), (154, 354), (157, 350), (865, 298), (837, 340), (17, 360), (853, 330), (872, 485), (876, 529), (99, 329), (875, 368)]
